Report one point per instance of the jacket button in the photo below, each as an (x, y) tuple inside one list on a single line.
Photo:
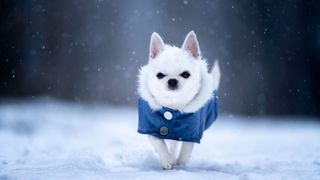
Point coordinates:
[(164, 130), (168, 115)]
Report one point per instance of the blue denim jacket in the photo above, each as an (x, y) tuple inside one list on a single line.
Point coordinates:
[(167, 123)]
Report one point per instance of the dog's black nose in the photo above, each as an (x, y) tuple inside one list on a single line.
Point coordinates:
[(172, 84)]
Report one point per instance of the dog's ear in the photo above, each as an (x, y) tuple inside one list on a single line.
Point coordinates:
[(191, 45), (156, 45)]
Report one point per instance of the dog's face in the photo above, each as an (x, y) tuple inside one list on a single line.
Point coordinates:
[(174, 76)]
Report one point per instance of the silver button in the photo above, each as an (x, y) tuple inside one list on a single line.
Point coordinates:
[(164, 130), (168, 115)]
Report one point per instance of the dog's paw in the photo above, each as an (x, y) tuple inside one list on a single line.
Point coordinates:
[(167, 163)]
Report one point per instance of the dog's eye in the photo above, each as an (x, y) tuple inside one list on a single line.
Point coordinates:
[(160, 75), (185, 74)]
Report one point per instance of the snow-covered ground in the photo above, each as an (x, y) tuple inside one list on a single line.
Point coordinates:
[(48, 139)]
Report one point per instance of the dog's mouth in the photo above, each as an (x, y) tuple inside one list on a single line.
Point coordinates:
[(173, 88)]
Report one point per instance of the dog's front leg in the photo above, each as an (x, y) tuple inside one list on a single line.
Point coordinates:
[(185, 152), (161, 148), (172, 148)]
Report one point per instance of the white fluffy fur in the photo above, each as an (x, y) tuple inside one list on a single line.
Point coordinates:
[(192, 92)]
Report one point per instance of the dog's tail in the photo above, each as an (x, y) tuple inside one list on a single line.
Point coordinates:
[(216, 74)]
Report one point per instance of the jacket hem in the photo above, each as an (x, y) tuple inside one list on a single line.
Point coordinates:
[(169, 137)]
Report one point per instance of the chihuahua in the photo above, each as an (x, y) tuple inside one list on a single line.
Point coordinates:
[(178, 98)]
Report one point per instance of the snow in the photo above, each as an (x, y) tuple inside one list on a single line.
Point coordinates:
[(50, 139)]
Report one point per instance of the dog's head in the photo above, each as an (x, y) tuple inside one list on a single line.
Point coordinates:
[(174, 76)]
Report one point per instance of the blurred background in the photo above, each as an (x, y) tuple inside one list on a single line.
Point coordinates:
[(90, 51)]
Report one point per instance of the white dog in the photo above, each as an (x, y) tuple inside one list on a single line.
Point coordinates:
[(178, 98)]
